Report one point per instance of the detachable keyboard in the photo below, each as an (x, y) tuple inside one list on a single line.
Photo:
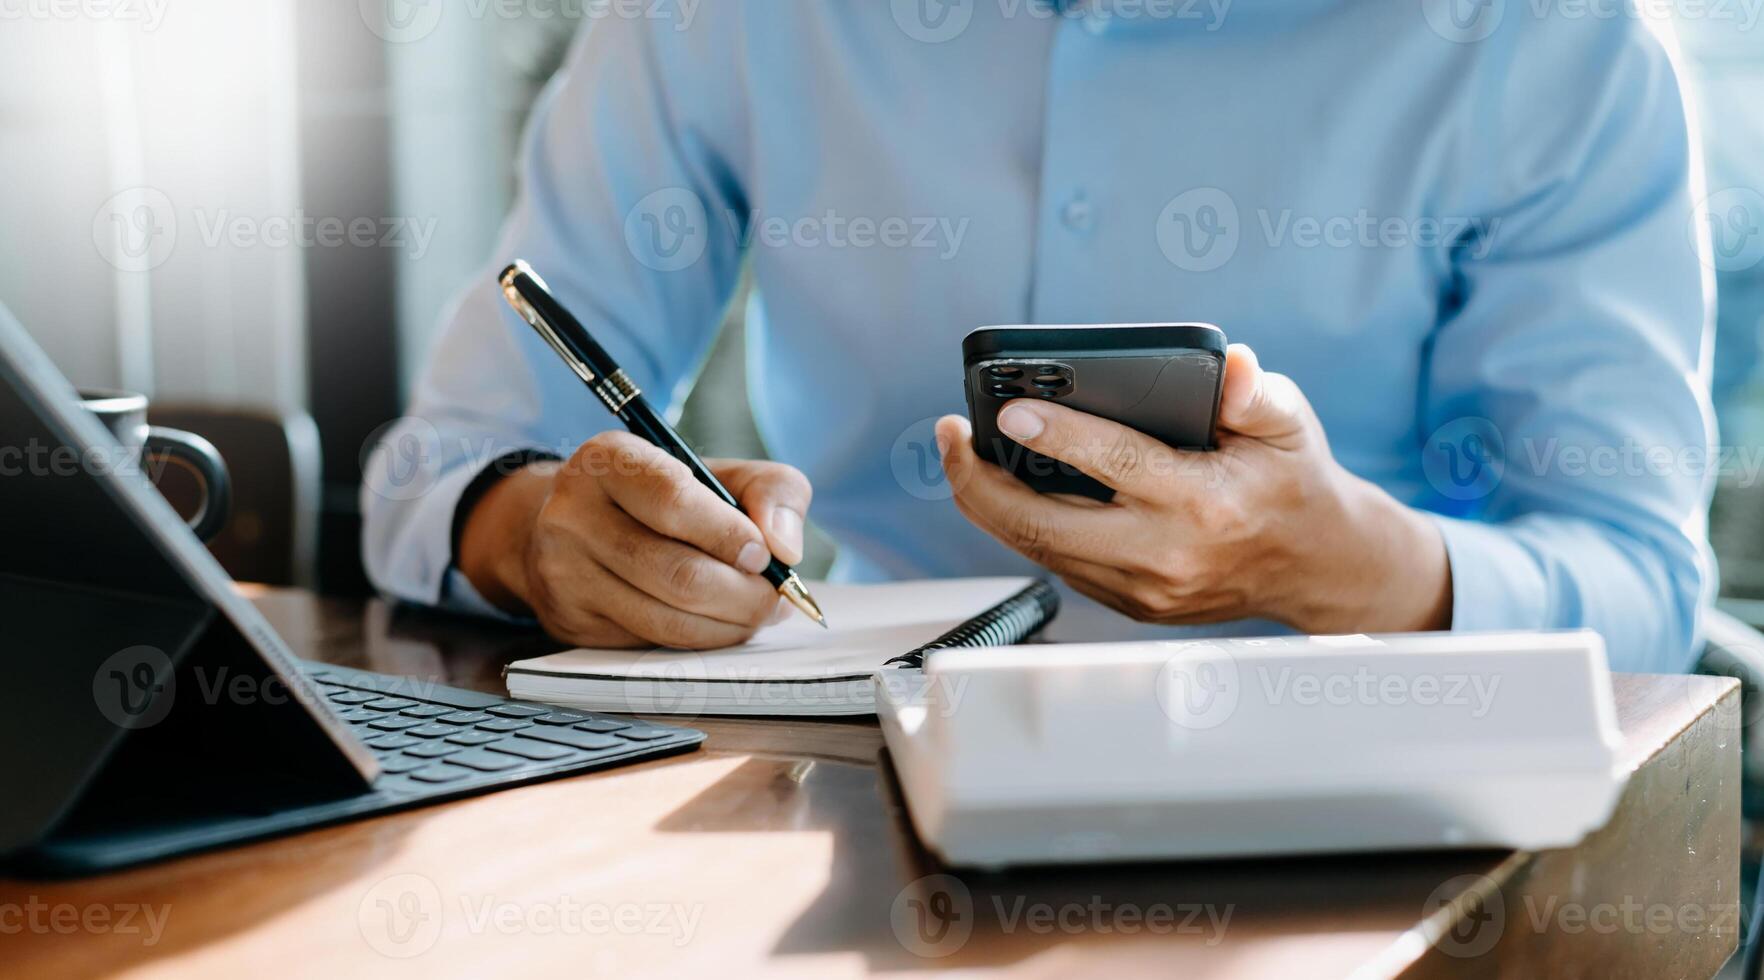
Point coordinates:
[(433, 743), (430, 738)]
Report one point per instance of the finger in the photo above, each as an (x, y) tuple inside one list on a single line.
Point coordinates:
[(1127, 605), (595, 631), (775, 496), (1123, 458), (1261, 404), (585, 628), (647, 617), (565, 613), (678, 574), (1042, 528), (1106, 597), (661, 493)]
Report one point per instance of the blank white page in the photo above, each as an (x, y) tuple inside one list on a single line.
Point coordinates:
[(869, 624)]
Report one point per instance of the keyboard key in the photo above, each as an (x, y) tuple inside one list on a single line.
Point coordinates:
[(482, 761), (356, 716), (526, 748), (453, 697), (393, 723), (571, 737), (389, 704), (347, 696), (561, 718), (645, 734), (433, 750), (398, 763), (473, 738), (601, 725), (438, 774), (503, 725), (434, 730), (388, 743), (426, 710), (464, 718), (515, 710)]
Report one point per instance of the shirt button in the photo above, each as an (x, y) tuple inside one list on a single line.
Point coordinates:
[(1078, 214)]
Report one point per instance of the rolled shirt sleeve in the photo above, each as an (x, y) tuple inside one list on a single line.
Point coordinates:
[(1566, 397)]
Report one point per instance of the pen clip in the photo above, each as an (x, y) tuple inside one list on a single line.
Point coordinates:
[(527, 312)]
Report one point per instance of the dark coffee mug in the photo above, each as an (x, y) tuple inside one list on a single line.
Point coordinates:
[(125, 415)]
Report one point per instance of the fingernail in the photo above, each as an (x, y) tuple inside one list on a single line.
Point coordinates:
[(787, 531), (1019, 421), (753, 558)]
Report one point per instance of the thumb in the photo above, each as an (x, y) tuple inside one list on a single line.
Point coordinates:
[(774, 495), (1261, 404)]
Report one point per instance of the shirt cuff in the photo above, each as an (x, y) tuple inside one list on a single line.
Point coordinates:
[(411, 552), (1496, 581), (457, 592)]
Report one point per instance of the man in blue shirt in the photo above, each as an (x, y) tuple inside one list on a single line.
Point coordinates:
[(1462, 235)]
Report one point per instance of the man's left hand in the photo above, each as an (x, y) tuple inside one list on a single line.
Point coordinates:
[(1267, 526)]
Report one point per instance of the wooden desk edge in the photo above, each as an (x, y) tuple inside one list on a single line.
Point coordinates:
[(1530, 877)]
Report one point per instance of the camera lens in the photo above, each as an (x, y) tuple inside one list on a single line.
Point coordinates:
[(1005, 372), (1005, 390)]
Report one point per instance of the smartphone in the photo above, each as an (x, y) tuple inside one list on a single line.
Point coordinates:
[(1163, 379)]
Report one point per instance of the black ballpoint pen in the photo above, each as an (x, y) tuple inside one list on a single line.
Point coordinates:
[(530, 297)]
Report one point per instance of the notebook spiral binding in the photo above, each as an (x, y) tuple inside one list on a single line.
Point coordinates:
[(1011, 621)]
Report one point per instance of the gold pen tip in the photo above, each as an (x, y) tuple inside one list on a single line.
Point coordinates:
[(798, 594)]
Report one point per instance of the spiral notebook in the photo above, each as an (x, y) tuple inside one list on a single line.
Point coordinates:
[(796, 667)]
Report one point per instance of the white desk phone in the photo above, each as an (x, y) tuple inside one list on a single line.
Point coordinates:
[(1237, 747)]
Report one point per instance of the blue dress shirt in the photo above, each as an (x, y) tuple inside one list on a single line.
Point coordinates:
[(1467, 231)]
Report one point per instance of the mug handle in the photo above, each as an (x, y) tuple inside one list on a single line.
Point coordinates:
[(200, 456)]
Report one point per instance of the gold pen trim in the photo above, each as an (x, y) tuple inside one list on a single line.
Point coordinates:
[(617, 390), (798, 594)]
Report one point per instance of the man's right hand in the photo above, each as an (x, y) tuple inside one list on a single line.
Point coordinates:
[(621, 547)]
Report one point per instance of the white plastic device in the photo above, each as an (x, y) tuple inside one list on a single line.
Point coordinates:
[(1237, 747)]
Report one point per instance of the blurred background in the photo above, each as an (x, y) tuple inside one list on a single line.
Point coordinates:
[(258, 212)]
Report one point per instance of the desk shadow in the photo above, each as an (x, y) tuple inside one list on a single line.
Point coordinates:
[(899, 907)]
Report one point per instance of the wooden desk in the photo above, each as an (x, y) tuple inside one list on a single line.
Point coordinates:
[(782, 848)]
